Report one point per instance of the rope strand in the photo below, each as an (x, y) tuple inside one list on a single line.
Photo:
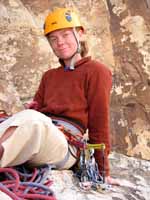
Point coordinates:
[(21, 183)]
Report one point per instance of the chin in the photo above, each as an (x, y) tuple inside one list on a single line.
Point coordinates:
[(65, 57)]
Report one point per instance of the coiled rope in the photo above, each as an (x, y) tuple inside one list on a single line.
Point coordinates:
[(22, 183)]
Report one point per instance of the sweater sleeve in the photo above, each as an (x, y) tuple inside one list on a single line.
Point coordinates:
[(39, 95), (99, 86)]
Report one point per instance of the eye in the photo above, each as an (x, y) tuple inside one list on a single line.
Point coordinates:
[(52, 39), (66, 34)]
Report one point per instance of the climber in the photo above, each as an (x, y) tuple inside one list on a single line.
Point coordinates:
[(75, 95)]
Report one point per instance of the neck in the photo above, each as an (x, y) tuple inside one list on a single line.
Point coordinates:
[(76, 58)]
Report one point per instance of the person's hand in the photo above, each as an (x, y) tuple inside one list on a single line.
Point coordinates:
[(112, 181), (31, 105)]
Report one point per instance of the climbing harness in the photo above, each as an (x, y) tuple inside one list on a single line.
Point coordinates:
[(87, 170), (22, 183), (73, 133)]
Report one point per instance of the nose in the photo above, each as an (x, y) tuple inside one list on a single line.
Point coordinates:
[(60, 40)]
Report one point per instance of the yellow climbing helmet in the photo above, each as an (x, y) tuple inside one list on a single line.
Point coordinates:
[(61, 18)]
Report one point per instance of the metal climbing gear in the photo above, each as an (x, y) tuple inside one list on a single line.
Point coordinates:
[(88, 172)]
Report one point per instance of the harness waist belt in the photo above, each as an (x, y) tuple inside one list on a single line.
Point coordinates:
[(69, 127), (68, 119)]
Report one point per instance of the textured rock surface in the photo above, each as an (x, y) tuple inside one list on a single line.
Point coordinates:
[(125, 48), (134, 175), (129, 22)]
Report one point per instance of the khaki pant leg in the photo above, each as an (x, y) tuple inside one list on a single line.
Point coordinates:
[(36, 140)]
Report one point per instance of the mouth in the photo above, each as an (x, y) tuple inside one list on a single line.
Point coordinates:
[(64, 49)]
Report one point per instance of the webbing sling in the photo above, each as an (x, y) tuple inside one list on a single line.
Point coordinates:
[(61, 163)]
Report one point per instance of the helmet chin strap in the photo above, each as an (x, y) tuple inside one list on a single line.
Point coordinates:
[(73, 58)]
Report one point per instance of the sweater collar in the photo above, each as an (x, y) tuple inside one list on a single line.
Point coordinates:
[(80, 62)]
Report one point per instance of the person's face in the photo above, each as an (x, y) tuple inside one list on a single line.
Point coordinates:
[(63, 43)]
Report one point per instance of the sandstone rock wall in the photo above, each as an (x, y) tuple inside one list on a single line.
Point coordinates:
[(118, 35), (130, 29)]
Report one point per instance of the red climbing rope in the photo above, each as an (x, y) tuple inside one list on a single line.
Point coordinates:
[(21, 183)]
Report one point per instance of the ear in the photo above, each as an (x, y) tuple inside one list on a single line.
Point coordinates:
[(81, 34), (80, 31)]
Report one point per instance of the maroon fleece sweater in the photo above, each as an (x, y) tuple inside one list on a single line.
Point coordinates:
[(83, 95)]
